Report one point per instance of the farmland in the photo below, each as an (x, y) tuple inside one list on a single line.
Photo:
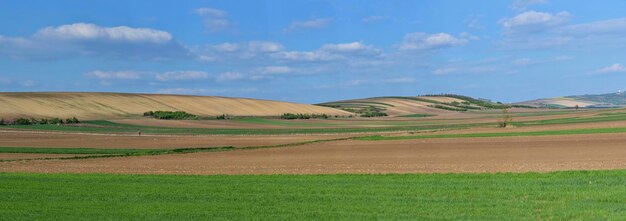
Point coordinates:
[(419, 161), (574, 195)]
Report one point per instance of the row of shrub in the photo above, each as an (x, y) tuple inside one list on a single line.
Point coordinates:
[(170, 115), (374, 114), (42, 121), (448, 107), (291, 116), (479, 102)]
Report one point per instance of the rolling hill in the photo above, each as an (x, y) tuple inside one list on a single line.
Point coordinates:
[(118, 105), (590, 100), (401, 106)]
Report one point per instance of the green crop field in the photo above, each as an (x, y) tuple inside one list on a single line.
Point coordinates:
[(575, 195)]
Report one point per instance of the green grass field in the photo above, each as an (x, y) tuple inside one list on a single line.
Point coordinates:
[(591, 195)]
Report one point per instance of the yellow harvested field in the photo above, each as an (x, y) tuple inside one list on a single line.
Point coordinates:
[(117, 105)]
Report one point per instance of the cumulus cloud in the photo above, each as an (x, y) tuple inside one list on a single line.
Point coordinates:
[(230, 52), (80, 39), (181, 75), (114, 75), (308, 24), (202, 91), (330, 52), (85, 31), (424, 41), (533, 21), (214, 19), (615, 68)]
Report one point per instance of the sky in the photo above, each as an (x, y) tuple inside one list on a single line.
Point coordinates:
[(316, 51)]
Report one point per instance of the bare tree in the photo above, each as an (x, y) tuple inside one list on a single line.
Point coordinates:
[(506, 119)]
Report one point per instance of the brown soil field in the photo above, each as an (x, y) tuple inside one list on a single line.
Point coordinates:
[(473, 155), (21, 156), (112, 141), (118, 105)]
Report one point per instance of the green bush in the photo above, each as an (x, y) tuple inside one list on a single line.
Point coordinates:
[(374, 114), (72, 120), (170, 115), (22, 121), (55, 121)]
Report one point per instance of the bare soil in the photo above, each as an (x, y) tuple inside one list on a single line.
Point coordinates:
[(472, 155), (117, 141)]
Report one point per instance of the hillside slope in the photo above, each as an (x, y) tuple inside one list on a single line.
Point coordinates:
[(590, 100), (117, 105), (399, 106)]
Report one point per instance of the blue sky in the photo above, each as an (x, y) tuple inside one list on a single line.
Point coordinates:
[(316, 51)]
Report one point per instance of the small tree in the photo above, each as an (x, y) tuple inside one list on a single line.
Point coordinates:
[(576, 107), (506, 119), (2, 122)]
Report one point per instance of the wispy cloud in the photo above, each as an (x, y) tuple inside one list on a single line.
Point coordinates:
[(114, 75), (181, 75), (615, 68), (308, 24), (424, 41), (214, 19)]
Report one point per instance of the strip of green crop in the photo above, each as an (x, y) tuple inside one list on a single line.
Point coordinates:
[(110, 127), (505, 134), (576, 195)]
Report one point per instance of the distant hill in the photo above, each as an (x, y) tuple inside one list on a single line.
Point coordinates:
[(118, 105), (589, 100), (403, 106)]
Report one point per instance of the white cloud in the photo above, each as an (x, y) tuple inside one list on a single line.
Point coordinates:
[(114, 75), (352, 47), (330, 52), (309, 24), (523, 4), (373, 18), (226, 47), (533, 21), (201, 91), (214, 19), (85, 31), (423, 41), (230, 76), (604, 27), (181, 75), (615, 68), (445, 70), (264, 46), (275, 70), (305, 56), (83, 39)]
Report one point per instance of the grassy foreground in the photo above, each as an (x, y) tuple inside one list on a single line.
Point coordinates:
[(562, 195)]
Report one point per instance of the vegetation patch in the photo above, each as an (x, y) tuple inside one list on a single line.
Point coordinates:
[(577, 195), (42, 121), (290, 116), (170, 115)]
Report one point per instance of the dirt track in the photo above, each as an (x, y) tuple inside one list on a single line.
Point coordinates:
[(512, 154)]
